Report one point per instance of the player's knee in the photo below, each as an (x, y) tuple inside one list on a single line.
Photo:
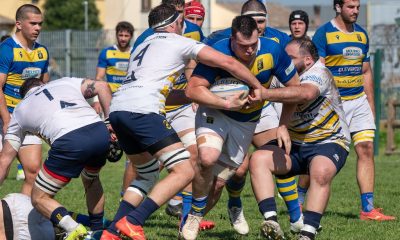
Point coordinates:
[(210, 148), (147, 176), (365, 150), (219, 184), (323, 177), (208, 158)]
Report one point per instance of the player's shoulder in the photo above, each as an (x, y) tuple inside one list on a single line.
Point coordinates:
[(268, 45), (9, 43), (223, 46), (318, 72), (326, 28), (359, 28), (217, 36), (273, 32)]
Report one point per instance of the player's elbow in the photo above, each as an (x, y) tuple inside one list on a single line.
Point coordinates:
[(307, 94)]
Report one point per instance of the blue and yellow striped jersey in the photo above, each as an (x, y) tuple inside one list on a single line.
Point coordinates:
[(190, 30), (20, 64), (116, 64), (272, 33), (344, 55), (271, 60)]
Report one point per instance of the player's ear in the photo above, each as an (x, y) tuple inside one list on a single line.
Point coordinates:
[(18, 25), (338, 8)]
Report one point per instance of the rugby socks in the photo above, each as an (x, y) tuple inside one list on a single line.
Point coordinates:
[(199, 205), (81, 218), (367, 201), (124, 208), (287, 187), (234, 189), (186, 205), (61, 217), (267, 208), (176, 200), (96, 221), (302, 194), (142, 212), (311, 223)]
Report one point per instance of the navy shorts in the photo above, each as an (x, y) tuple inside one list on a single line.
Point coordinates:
[(85, 147), (139, 133), (301, 156)]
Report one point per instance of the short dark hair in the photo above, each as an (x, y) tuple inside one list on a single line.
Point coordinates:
[(175, 3), (246, 25), (24, 9), (306, 47), (124, 26), (340, 2), (29, 84), (253, 5), (160, 13)]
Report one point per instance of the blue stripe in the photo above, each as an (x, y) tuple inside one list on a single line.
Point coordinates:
[(283, 185), (350, 91), (344, 71)]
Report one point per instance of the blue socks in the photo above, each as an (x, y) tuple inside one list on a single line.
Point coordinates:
[(367, 201), (124, 208), (58, 214), (287, 187), (302, 194), (142, 212), (199, 205), (234, 189)]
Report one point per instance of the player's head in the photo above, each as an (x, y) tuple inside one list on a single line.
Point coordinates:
[(244, 39), (178, 4), (298, 24), (165, 18), (194, 12), (347, 10), (124, 33), (303, 53), (258, 11), (28, 21), (28, 85)]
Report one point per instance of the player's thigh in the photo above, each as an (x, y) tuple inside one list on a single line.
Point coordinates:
[(30, 154), (271, 157), (266, 128)]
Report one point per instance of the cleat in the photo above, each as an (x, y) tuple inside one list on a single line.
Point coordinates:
[(238, 221), (302, 237), (376, 214), (271, 230), (174, 211), (109, 236), (79, 233), (191, 228), (127, 229), (206, 225), (296, 227)]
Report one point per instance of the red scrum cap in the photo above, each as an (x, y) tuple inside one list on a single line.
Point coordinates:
[(194, 8)]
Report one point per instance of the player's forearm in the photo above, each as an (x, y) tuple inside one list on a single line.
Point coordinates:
[(369, 90), (105, 96), (100, 73), (287, 113), (4, 114), (291, 94), (203, 96)]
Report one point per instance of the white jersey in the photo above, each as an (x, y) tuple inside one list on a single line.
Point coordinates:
[(154, 67), (322, 120), (51, 110)]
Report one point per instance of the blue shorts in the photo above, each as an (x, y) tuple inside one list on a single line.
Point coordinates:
[(85, 147), (301, 156), (138, 133)]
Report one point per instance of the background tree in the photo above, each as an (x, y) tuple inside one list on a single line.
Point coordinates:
[(70, 15)]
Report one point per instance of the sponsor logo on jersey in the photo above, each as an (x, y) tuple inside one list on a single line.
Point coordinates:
[(31, 72), (359, 38), (40, 54), (122, 66), (210, 120), (289, 69), (352, 53)]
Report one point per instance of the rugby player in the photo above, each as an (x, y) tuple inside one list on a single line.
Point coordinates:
[(343, 46), (138, 116)]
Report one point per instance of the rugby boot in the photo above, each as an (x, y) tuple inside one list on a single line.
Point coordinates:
[(127, 229)]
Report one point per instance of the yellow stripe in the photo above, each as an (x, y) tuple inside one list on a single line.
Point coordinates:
[(117, 54), (286, 180), (11, 101), (14, 79), (344, 98), (287, 189), (36, 55), (114, 86), (339, 60), (193, 35), (308, 126), (262, 63), (115, 72), (349, 81), (363, 136), (291, 197), (340, 37)]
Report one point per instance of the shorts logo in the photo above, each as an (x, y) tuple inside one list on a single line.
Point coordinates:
[(166, 124), (336, 157), (210, 120)]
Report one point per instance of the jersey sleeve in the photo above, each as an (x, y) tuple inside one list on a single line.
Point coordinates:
[(102, 63), (6, 58), (367, 56), (15, 132), (207, 72), (284, 68), (319, 40), (322, 79), (46, 64), (190, 48)]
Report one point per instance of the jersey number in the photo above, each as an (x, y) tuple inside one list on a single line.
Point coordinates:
[(140, 58), (63, 104)]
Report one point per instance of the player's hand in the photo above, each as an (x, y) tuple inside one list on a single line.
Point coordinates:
[(283, 138), (255, 96), (195, 106), (110, 130), (235, 102), (97, 107)]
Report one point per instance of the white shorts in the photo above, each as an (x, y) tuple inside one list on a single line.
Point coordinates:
[(27, 222), (182, 119), (28, 140), (236, 135), (270, 116), (360, 119)]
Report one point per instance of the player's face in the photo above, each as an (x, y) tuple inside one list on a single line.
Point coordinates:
[(294, 53), (350, 10), (196, 19), (30, 26), (261, 25), (298, 29), (123, 38), (245, 48)]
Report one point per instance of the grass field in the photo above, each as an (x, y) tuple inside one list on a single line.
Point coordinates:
[(340, 220)]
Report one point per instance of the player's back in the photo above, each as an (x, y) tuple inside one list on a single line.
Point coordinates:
[(54, 109)]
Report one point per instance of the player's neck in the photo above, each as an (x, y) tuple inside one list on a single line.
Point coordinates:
[(123, 49), (344, 27), (25, 43)]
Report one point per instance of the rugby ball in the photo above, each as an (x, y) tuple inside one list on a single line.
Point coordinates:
[(226, 87)]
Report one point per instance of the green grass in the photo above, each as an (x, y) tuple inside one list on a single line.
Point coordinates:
[(339, 222)]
